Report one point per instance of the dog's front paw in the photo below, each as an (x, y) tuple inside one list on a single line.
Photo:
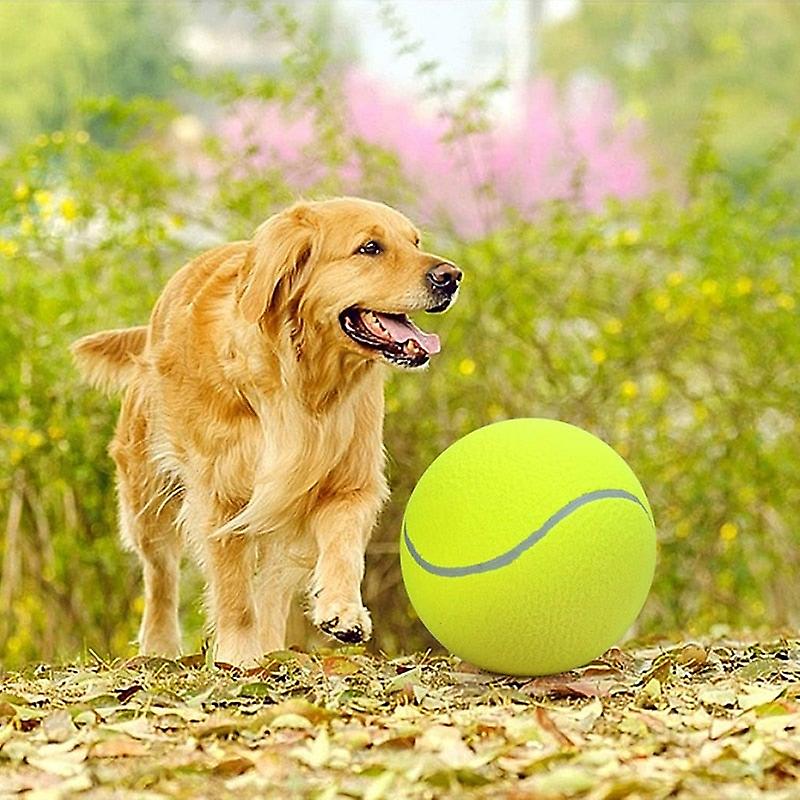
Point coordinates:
[(348, 622)]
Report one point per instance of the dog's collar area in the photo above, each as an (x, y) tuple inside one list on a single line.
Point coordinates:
[(394, 335)]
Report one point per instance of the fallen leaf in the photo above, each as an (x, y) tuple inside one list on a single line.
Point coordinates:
[(58, 726), (302, 708), (233, 766), (290, 721), (139, 728), (339, 665), (125, 694), (754, 696), (378, 788), (544, 719), (754, 752), (761, 668), (717, 697), (119, 747), (446, 743), (316, 753), (726, 727), (564, 781), (405, 680), (565, 685), (651, 690), (63, 764), (691, 655)]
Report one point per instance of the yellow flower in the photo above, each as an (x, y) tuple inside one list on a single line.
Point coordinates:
[(467, 366), (785, 301), (630, 236), (82, 137), (43, 198), (711, 289), (743, 285), (728, 532), (675, 279), (69, 209), (41, 140), (21, 191), (35, 439), (599, 355), (8, 248), (26, 226), (629, 390), (495, 410), (57, 137), (683, 529), (55, 431), (613, 326), (15, 456), (138, 604), (700, 412), (661, 302)]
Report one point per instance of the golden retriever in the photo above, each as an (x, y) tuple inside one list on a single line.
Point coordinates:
[(252, 418)]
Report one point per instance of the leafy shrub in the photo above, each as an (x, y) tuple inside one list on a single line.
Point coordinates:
[(669, 328)]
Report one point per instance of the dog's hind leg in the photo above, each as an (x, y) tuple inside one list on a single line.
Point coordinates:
[(148, 505), (229, 563), (158, 545)]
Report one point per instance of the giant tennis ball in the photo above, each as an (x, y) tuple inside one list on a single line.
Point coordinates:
[(528, 547)]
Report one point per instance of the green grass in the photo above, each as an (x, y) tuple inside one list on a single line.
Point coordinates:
[(714, 719)]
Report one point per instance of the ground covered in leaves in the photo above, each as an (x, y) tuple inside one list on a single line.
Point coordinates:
[(715, 720)]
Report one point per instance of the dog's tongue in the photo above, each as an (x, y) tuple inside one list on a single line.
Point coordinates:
[(402, 329)]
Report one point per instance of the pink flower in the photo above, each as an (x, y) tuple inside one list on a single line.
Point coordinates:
[(556, 147)]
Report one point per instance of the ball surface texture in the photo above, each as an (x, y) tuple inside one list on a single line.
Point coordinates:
[(528, 547)]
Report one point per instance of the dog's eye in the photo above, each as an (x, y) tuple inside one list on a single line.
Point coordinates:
[(370, 248)]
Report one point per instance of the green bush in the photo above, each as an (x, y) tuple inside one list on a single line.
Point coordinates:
[(669, 328), (671, 331)]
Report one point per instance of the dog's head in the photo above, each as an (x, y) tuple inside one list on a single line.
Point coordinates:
[(349, 271)]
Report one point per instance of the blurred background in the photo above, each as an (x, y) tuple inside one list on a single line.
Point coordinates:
[(619, 181)]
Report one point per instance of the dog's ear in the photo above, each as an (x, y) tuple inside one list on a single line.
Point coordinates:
[(280, 248)]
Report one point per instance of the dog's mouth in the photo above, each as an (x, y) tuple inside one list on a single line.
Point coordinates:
[(394, 336)]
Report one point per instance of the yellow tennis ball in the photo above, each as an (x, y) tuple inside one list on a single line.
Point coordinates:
[(528, 547)]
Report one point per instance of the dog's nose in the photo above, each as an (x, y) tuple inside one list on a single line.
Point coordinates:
[(445, 277)]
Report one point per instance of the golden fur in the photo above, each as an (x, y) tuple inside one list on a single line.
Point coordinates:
[(248, 411)]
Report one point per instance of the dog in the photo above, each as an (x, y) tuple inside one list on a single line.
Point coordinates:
[(252, 418)]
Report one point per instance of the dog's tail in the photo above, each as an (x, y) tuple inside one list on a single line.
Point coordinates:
[(108, 359)]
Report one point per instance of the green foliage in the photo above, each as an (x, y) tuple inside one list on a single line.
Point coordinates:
[(673, 61), (86, 242), (669, 328), (58, 52)]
